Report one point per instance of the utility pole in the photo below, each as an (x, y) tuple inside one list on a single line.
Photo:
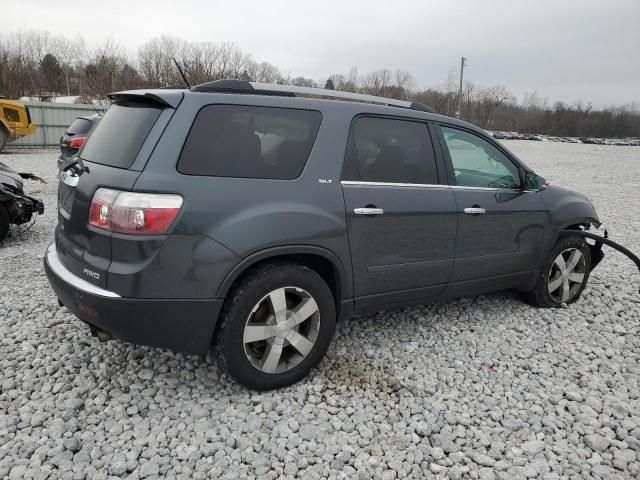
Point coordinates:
[(462, 64)]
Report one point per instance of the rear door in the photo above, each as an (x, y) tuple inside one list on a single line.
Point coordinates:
[(401, 215), (109, 159), (500, 225)]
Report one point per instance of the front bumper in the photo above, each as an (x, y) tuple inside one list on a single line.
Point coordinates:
[(23, 208), (182, 325)]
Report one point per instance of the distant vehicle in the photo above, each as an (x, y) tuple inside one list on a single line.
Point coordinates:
[(74, 137), (15, 121), (15, 207), (252, 216)]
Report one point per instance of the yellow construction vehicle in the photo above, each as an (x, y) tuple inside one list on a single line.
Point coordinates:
[(15, 121)]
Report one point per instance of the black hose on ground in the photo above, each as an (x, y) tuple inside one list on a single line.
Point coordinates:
[(604, 240)]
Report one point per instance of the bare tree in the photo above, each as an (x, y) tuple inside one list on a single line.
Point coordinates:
[(35, 62), (488, 100)]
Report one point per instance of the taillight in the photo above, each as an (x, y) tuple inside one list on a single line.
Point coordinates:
[(134, 213), (77, 142)]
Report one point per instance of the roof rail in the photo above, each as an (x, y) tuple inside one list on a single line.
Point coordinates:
[(244, 87)]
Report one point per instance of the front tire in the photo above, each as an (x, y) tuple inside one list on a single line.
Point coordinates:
[(3, 140), (276, 325), (564, 276)]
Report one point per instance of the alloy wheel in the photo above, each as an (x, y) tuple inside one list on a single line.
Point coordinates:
[(281, 330), (566, 275)]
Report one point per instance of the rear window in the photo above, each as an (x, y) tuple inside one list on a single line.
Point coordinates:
[(249, 142), (116, 141), (79, 126)]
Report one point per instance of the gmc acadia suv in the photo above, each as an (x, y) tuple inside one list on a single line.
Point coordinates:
[(252, 216)]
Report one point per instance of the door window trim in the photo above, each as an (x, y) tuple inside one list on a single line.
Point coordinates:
[(449, 163), (441, 177), (394, 184)]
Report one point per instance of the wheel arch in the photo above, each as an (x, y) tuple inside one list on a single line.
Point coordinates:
[(324, 262)]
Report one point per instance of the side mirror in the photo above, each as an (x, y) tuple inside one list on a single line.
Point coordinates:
[(533, 181)]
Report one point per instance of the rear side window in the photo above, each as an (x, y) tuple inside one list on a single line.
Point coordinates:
[(116, 141), (391, 151), (79, 126), (249, 142)]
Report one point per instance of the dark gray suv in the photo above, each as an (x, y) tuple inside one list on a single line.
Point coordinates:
[(252, 216)]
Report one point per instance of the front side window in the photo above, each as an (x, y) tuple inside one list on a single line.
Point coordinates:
[(249, 142), (477, 163), (11, 115), (390, 151)]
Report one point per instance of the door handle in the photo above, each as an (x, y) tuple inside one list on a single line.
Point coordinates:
[(474, 210), (368, 211)]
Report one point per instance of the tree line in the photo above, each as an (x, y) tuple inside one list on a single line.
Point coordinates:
[(38, 64)]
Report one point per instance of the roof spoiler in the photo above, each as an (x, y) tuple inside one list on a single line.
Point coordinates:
[(159, 98)]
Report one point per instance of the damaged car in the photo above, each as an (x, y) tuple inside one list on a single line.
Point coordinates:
[(248, 218), (16, 208)]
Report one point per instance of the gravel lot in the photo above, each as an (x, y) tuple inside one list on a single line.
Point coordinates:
[(483, 387)]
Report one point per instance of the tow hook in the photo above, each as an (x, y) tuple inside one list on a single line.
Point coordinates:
[(604, 239)]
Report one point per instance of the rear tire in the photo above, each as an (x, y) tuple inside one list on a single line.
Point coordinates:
[(3, 140), (275, 326), (564, 276), (4, 222)]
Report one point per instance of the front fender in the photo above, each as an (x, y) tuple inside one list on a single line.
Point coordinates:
[(567, 208)]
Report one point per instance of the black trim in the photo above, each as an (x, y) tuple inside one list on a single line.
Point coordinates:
[(421, 107), (344, 276), (237, 86), (128, 99), (441, 163)]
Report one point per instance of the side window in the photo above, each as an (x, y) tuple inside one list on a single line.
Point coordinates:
[(477, 163), (391, 151), (11, 115), (249, 142)]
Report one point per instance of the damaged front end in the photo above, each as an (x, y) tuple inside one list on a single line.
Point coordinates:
[(15, 207), (600, 238)]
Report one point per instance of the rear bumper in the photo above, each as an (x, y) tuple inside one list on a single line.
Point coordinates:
[(181, 325)]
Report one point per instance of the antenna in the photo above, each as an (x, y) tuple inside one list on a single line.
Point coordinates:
[(181, 73)]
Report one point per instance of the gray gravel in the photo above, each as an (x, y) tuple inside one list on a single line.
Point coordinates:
[(481, 388)]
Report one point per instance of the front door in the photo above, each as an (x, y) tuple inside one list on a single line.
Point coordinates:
[(401, 214), (500, 225)]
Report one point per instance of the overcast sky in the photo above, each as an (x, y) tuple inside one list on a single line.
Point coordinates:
[(564, 49)]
